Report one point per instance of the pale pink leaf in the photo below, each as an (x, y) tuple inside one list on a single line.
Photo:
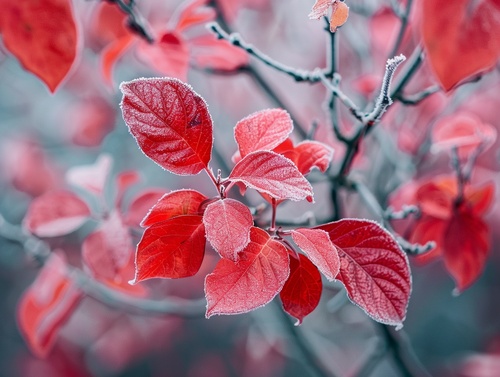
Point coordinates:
[(227, 225), (312, 154), (272, 174), (320, 250), (192, 13), (262, 130), (91, 177), (320, 9), (56, 213), (251, 282), (170, 122), (112, 53), (373, 268), (107, 250)]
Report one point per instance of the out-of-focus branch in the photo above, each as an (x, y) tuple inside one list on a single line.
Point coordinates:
[(135, 21), (40, 251), (404, 16), (416, 98)]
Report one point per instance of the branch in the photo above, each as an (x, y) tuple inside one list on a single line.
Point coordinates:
[(236, 40), (416, 98), (404, 16), (136, 22), (40, 251)]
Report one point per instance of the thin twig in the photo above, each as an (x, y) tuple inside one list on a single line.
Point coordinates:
[(416, 98), (414, 62), (404, 16)]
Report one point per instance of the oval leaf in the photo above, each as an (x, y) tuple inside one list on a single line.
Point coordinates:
[(171, 249), (227, 224), (302, 291), (373, 269), (170, 122), (466, 247), (141, 204), (262, 130), (56, 213), (272, 174), (251, 282), (42, 35), (175, 203), (318, 247), (312, 154), (46, 305), (107, 250)]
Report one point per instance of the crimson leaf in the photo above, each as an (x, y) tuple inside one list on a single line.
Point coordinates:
[(170, 122)]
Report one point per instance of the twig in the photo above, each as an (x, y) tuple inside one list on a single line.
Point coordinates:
[(404, 16), (40, 251), (416, 98), (136, 22), (236, 40), (412, 66)]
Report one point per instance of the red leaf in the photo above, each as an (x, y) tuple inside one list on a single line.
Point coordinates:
[(312, 154), (107, 250), (42, 35), (320, 9), (340, 13), (46, 305), (320, 250), (171, 249), (272, 174), (466, 246), (142, 204), (262, 130), (434, 199), (169, 55), (429, 229), (302, 291), (170, 122), (109, 23), (112, 53), (460, 38), (175, 203), (91, 177), (480, 199), (250, 283), (124, 181), (193, 13), (463, 131), (227, 224), (55, 213), (373, 269), (210, 52)]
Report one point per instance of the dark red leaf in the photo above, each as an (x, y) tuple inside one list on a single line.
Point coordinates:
[(250, 283), (108, 250), (42, 35), (227, 225), (46, 305), (175, 203), (302, 291), (460, 38), (373, 269), (171, 249), (466, 245), (320, 250), (170, 122), (272, 174), (56, 213), (262, 131)]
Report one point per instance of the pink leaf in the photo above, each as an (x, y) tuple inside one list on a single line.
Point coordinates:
[(175, 203), (56, 213), (227, 224), (210, 52), (91, 177), (124, 181), (320, 250), (312, 154), (466, 247), (169, 55), (42, 35), (171, 249), (272, 174), (250, 283), (46, 305), (107, 250), (193, 13), (112, 53), (170, 122), (141, 205), (320, 9), (373, 269), (263, 130), (302, 291)]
